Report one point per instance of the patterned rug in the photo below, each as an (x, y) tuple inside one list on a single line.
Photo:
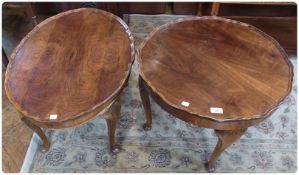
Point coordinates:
[(172, 145)]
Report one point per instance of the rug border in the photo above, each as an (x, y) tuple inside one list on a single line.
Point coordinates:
[(31, 151)]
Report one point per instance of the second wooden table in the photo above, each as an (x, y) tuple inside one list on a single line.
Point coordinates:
[(215, 73)]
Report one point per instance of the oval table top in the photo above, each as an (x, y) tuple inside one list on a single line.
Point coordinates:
[(216, 68), (69, 64)]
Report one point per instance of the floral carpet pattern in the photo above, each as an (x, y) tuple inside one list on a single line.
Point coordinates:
[(172, 145)]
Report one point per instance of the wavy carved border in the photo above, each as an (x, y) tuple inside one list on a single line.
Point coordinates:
[(82, 114), (266, 114)]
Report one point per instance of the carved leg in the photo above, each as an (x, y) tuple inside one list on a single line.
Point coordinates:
[(39, 132), (146, 105), (113, 115), (5, 60), (225, 139), (31, 13)]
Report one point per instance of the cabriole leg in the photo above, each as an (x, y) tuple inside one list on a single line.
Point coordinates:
[(225, 139), (113, 115), (146, 105)]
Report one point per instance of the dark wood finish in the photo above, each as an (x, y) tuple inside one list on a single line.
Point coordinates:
[(200, 9), (215, 9), (58, 7), (188, 8), (277, 19), (195, 119), (235, 126), (5, 60), (114, 113), (146, 105), (142, 7), (260, 3), (185, 8), (283, 30), (26, 7), (203, 61), (257, 10), (92, 65), (248, 74), (31, 13), (74, 64)]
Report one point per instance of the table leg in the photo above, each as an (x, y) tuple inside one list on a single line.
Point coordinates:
[(113, 115), (31, 12), (146, 105), (5, 60), (40, 133), (225, 139)]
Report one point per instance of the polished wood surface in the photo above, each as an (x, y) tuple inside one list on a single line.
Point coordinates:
[(73, 65), (191, 118), (4, 59), (216, 62), (227, 132), (69, 65)]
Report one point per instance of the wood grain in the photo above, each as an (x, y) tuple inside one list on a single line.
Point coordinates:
[(282, 29), (216, 62), (70, 65), (193, 118)]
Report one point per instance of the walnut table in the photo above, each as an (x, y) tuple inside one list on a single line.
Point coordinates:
[(70, 68), (215, 73)]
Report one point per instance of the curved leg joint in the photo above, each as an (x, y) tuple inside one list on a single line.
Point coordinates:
[(146, 105), (225, 139), (113, 115)]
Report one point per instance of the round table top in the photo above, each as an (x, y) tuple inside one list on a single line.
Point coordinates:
[(216, 68), (69, 64)]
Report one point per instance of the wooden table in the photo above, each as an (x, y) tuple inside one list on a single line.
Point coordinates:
[(215, 73), (69, 69)]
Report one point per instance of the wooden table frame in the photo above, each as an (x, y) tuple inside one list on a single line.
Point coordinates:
[(227, 131), (111, 111), (110, 107)]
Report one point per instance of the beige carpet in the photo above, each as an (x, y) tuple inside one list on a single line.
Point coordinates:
[(172, 145)]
